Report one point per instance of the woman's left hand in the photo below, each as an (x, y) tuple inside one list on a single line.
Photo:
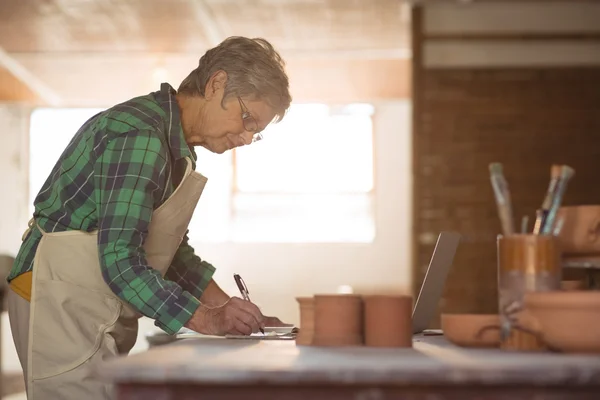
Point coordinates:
[(275, 322)]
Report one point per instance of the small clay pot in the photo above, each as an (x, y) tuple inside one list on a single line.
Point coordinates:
[(565, 321), (580, 233), (388, 321), (472, 330), (338, 320), (307, 321), (572, 285)]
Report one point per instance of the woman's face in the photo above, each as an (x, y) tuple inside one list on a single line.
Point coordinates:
[(234, 124), (219, 126)]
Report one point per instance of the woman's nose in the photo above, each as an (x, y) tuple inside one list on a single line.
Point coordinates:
[(246, 137)]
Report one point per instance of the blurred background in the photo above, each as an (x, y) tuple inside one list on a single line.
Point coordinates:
[(398, 109)]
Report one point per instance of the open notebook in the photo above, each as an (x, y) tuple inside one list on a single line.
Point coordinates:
[(271, 333)]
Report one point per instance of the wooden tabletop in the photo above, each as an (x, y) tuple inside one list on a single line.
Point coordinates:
[(432, 361)]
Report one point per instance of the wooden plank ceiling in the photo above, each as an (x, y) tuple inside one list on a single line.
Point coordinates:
[(82, 51)]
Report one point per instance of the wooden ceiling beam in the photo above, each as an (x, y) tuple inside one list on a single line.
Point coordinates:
[(13, 90), (47, 95)]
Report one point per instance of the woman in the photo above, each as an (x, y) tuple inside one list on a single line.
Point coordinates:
[(108, 239)]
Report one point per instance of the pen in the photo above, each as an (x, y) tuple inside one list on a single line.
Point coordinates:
[(244, 291)]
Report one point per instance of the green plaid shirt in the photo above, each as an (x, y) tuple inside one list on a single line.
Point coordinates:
[(121, 165)]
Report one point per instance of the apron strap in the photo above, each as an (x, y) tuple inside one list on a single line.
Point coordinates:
[(30, 225)]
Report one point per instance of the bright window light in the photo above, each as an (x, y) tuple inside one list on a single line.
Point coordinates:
[(314, 149), (50, 131), (309, 180)]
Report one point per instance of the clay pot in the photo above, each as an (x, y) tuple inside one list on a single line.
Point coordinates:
[(580, 233), (472, 330), (572, 285), (388, 321), (565, 321), (338, 320), (307, 321)]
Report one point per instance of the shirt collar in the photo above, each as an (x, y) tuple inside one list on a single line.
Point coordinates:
[(174, 132)]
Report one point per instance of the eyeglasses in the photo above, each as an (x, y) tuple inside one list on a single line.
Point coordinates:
[(250, 124)]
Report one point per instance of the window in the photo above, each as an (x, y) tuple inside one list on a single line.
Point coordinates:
[(309, 180), (50, 131)]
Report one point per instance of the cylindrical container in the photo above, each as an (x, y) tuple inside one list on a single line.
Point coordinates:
[(388, 321), (338, 320), (526, 263), (307, 321)]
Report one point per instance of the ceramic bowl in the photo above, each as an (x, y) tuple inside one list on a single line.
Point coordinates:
[(567, 321), (463, 329), (580, 233), (570, 285)]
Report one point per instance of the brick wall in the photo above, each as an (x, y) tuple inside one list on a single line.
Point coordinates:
[(525, 118)]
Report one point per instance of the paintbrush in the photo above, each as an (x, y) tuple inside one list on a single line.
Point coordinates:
[(542, 213), (558, 227), (502, 195), (566, 174), (524, 223)]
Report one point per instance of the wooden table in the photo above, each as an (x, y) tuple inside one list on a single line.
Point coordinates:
[(215, 368)]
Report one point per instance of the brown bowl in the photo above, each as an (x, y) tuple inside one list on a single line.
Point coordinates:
[(565, 321), (571, 285), (580, 233), (463, 329)]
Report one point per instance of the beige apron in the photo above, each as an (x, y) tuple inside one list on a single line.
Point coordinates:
[(76, 321)]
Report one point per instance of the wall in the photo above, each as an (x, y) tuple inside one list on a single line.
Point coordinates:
[(517, 84), (14, 160), (14, 130)]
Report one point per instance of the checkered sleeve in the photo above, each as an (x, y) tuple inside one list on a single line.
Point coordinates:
[(130, 176), (189, 271)]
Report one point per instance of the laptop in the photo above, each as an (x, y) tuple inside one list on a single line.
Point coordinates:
[(435, 280)]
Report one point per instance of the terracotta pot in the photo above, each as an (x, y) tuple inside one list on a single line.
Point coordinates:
[(307, 321), (338, 320), (472, 330), (572, 285), (564, 321), (580, 233), (388, 321)]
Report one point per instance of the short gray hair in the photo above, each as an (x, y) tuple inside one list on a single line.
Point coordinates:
[(254, 69)]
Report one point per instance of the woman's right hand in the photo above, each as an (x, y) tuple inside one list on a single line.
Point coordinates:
[(235, 317)]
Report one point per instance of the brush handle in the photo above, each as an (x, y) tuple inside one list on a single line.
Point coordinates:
[(503, 202), (556, 202), (540, 219)]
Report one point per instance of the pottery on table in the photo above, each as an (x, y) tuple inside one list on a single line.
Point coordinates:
[(338, 320), (571, 285), (472, 330), (307, 321), (526, 263), (580, 233), (388, 321), (567, 321)]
